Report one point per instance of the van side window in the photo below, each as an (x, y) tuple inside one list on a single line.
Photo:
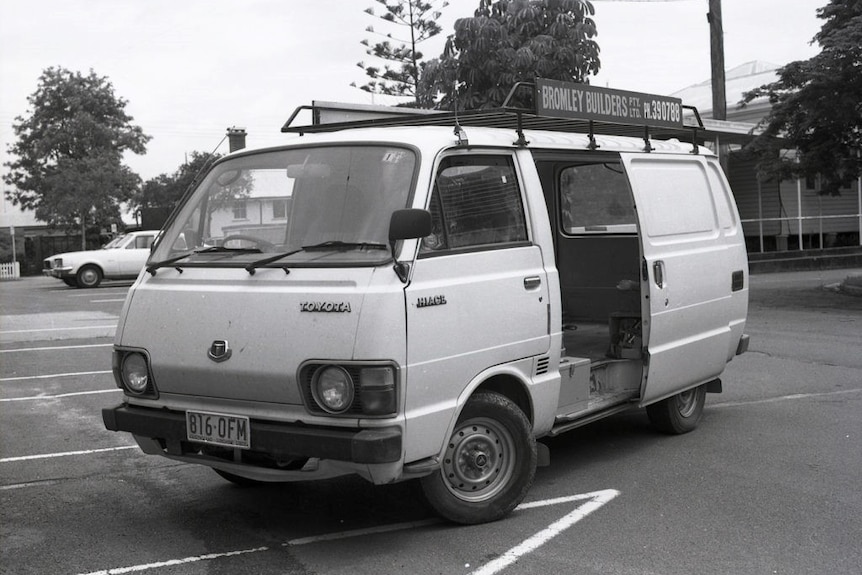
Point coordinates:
[(595, 197), (476, 202)]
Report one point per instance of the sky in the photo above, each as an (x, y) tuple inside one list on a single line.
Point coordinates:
[(189, 69)]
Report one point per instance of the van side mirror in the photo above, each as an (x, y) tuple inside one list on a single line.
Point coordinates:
[(409, 224)]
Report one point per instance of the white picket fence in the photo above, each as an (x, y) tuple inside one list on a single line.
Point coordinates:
[(10, 271)]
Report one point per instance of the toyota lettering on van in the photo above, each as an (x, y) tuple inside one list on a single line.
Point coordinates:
[(324, 306), (426, 296)]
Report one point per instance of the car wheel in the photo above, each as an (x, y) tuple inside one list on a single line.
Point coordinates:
[(679, 413), (489, 463), (88, 277)]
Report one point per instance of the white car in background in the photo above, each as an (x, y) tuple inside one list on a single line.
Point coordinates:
[(122, 258)]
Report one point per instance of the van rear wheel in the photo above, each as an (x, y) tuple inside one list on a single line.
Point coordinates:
[(489, 462), (679, 413)]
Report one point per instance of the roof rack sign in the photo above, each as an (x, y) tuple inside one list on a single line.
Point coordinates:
[(585, 102)]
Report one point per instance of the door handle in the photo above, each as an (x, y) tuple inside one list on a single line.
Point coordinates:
[(658, 273), (532, 282)]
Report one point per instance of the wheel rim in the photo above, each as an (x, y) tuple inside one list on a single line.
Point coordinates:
[(89, 276), (478, 461), (686, 403)]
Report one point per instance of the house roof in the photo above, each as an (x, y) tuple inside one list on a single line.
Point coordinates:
[(738, 80)]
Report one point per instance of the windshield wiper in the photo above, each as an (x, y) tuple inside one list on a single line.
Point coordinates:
[(339, 245), (260, 263), (212, 249)]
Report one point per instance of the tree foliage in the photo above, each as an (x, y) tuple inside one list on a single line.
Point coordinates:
[(402, 66), (68, 157), (164, 191), (510, 41), (817, 106)]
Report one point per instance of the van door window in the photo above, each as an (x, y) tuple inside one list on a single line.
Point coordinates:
[(476, 203), (595, 197)]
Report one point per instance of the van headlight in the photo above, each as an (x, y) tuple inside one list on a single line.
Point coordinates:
[(353, 390), (333, 389), (132, 373)]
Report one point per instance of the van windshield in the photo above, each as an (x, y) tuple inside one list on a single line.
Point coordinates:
[(318, 206)]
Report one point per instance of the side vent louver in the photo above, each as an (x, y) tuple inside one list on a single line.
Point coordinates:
[(542, 365)]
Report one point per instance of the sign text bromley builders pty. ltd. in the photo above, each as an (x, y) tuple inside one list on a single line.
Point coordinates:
[(585, 102)]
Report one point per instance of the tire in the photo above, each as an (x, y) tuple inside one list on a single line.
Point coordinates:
[(89, 276), (237, 479), (489, 463), (680, 413)]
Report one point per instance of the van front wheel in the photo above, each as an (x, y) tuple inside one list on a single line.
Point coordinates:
[(679, 413), (489, 462)]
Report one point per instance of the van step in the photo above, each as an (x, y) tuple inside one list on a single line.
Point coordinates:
[(564, 425)]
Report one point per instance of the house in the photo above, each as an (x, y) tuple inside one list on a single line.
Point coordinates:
[(776, 216)]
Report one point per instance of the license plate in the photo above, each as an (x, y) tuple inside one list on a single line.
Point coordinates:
[(218, 429)]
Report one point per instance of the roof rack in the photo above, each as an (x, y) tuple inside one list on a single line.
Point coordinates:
[(520, 119)]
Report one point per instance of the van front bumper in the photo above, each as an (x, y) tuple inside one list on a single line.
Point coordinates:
[(366, 446)]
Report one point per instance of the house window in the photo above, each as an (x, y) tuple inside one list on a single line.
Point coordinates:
[(279, 209), (239, 210)]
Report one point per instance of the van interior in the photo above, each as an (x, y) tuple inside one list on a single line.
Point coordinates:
[(598, 258)]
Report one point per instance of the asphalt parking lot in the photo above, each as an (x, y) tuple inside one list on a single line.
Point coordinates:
[(769, 483)]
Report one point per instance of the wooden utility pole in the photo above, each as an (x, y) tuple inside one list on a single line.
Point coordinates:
[(716, 45)]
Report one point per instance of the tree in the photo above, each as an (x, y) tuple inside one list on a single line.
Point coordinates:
[(164, 191), (401, 76), (68, 156), (510, 41), (817, 107)]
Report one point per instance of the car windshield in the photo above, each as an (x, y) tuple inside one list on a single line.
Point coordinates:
[(336, 199)]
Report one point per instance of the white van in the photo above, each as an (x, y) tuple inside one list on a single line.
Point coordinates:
[(426, 296)]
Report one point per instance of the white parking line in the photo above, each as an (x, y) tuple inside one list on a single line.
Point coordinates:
[(593, 500), (49, 376), (91, 294), (58, 396), (106, 300), (6, 332), (781, 398), (56, 347), (361, 532), (172, 562), (65, 454)]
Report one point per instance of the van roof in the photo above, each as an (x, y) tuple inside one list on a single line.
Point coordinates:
[(433, 138), (520, 127)]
